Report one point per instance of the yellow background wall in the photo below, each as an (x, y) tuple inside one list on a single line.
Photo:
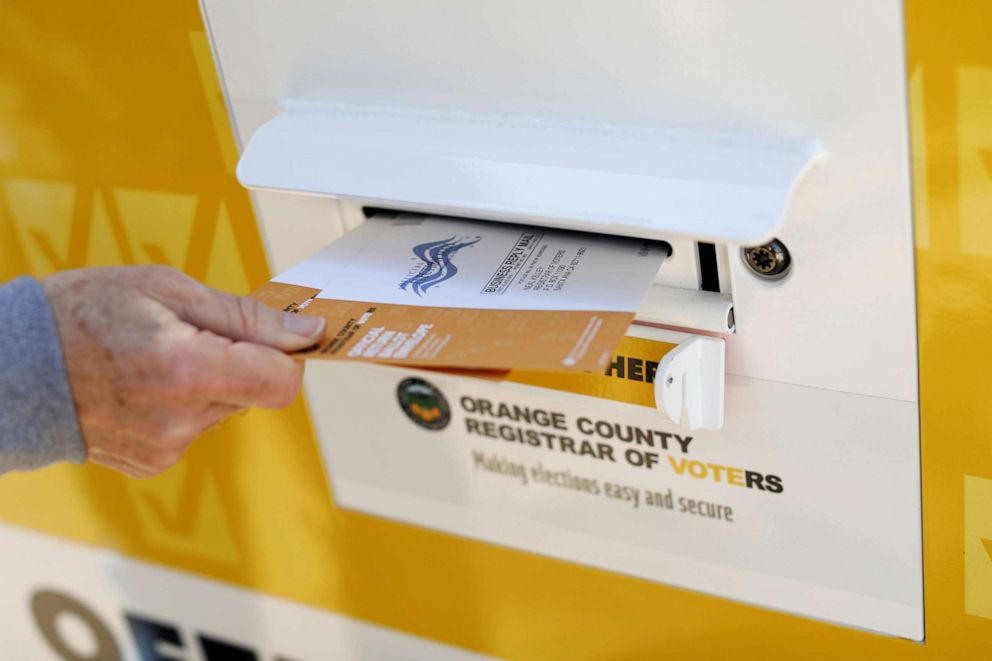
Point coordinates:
[(115, 148)]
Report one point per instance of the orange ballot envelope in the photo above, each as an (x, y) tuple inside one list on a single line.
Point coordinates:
[(451, 293)]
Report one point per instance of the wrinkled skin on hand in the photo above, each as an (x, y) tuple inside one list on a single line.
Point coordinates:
[(155, 358)]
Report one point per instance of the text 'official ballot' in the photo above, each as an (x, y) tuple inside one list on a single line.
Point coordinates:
[(439, 292)]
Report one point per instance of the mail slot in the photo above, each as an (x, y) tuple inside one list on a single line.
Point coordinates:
[(776, 166)]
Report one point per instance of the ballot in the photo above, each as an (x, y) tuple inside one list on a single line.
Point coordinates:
[(450, 293)]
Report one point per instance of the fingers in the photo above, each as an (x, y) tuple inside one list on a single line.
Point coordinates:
[(244, 319), (259, 376), (242, 374)]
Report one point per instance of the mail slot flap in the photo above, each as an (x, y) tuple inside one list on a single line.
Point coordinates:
[(637, 181)]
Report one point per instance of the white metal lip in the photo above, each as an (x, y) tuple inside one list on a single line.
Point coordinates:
[(635, 181)]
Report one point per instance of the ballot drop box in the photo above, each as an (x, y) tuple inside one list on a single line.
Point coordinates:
[(785, 457), (756, 436)]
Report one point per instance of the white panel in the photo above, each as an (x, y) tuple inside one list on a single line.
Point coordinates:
[(823, 366), (107, 585), (841, 542), (844, 319), (685, 308), (307, 223)]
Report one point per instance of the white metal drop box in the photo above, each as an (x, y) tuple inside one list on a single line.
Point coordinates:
[(717, 126)]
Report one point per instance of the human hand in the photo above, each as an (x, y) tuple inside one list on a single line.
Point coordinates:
[(154, 358)]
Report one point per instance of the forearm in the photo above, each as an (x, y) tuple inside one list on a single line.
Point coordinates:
[(38, 424)]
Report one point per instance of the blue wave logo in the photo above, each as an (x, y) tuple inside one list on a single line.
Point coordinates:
[(437, 267)]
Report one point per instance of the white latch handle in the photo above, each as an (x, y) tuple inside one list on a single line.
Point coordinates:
[(689, 386)]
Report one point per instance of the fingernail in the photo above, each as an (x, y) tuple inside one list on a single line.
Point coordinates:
[(303, 324)]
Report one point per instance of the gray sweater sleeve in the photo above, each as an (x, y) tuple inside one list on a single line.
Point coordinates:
[(38, 423)]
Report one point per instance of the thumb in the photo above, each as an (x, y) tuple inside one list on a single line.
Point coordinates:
[(246, 319)]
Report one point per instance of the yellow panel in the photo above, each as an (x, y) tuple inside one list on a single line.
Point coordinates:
[(975, 157), (978, 546), (110, 106)]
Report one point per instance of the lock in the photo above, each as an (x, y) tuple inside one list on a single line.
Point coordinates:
[(771, 260)]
